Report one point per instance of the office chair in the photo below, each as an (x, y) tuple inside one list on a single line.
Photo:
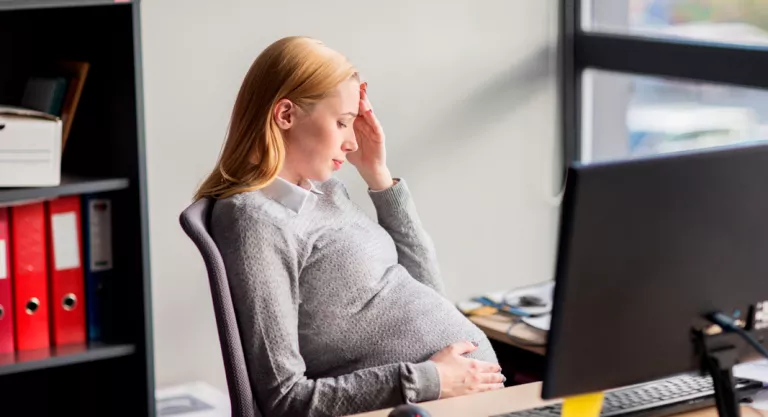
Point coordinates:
[(195, 220)]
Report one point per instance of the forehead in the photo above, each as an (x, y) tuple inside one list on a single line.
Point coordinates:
[(345, 97)]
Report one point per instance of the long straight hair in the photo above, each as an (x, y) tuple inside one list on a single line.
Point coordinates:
[(300, 69)]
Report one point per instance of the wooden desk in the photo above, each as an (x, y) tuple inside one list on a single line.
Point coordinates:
[(520, 335), (514, 399)]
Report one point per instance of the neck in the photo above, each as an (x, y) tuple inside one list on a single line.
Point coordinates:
[(292, 177)]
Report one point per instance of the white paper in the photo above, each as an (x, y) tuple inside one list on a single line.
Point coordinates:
[(756, 370), (760, 400), (100, 234), (3, 261), (66, 248)]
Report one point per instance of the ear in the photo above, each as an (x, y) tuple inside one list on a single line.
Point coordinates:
[(285, 114)]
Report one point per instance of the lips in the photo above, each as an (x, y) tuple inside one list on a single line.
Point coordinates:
[(337, 163)]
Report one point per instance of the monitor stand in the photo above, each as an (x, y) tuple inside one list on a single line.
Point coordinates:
[(718, 358)]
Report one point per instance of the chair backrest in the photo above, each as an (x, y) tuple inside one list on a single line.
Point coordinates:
[(195, 221)]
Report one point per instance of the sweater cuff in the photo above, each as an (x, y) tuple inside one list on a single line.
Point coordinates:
[(394, 197), (421, 382)]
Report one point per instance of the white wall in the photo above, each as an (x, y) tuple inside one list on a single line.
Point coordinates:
[(465, 90)]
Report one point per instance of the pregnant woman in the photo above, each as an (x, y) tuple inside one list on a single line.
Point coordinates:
[(339, 313)]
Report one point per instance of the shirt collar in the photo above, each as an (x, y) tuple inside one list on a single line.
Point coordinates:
[(291, 195)]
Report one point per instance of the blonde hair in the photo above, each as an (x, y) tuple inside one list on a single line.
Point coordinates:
[(298, 68)]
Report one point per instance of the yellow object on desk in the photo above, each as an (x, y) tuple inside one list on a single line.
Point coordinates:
[(473, 308), (483, 311), (587, 405)]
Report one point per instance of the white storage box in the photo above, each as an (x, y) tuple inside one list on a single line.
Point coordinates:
[(30, 148)]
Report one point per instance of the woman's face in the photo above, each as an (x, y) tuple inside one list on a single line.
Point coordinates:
[(317, 141)]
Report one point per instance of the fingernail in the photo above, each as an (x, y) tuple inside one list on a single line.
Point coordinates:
[(503, 379), (364, 86), (473, 342)]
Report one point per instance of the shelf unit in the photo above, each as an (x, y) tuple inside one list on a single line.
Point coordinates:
[(60, 356), (70, 185), (104, 154)]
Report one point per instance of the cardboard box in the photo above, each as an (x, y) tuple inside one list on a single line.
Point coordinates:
[(30, 148)]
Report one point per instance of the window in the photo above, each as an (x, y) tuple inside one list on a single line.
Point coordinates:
[(642, 77), (625, 115), (722, 21)]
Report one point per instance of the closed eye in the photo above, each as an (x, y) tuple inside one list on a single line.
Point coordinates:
[(341, 125)]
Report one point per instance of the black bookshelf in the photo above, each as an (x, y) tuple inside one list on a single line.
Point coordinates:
[(104, 154), (70, 185), (47, 4), (26, 361)]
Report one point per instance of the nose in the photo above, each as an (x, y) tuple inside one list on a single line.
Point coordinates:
[(350, 144)]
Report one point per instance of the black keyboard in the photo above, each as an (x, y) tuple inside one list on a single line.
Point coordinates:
[(658, 398)]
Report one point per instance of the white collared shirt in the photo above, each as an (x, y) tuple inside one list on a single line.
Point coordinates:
[(292, 196)]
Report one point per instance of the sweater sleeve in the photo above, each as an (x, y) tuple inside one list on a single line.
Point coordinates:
[(396, 212), (261, 261)]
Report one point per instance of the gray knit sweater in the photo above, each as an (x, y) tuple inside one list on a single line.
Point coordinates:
[(339, 314)]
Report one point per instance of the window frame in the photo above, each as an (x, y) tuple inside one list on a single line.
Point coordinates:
[(579, 49)]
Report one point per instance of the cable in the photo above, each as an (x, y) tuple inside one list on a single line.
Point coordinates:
[(729, 324), (752, 341), (518, 340)]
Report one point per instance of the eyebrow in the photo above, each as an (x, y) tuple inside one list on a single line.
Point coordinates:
[(353, 114)]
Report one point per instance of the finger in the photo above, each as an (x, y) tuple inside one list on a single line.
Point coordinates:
[(462, 348), (486, 367), (363, 126), (366, 111), (370, 124), (360, 108), (489, 387), (492, 378), (366, 103), (373, 122)]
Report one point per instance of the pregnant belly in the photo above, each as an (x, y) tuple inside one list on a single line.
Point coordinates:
[(405, 322), (431, 324)]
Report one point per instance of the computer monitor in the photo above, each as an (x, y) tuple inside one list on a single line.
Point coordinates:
[(647, 248)]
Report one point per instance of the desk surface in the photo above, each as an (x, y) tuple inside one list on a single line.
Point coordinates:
[(516, 398), (497, 327)]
